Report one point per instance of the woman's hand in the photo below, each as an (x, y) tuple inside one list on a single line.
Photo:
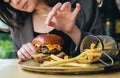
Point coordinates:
[(62, 18), (26, 51)]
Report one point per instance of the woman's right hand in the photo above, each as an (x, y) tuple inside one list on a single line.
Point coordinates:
[(25, 52), (62, 17)]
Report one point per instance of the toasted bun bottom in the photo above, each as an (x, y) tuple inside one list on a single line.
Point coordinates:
[(47, 58)]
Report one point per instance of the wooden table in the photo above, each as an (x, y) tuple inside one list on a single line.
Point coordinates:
[(9, 68)]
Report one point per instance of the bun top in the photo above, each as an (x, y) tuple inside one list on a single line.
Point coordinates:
[(45, 39)]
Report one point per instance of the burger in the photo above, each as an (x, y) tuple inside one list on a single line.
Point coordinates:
[(47, 44)]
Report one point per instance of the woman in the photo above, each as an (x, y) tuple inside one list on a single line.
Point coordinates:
[(26, 19)]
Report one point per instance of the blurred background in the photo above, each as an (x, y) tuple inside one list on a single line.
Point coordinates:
[(6, 48), (110, 14)]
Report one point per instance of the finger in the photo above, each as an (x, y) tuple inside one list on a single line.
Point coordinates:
[(15, 1), (27, 50), (77, 9), (21, 56), (25, 53), (51, 24), (7, 1), (53, 12), (32, 48), (66, 6)]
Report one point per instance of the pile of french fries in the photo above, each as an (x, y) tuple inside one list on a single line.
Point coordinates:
[(85, 58)]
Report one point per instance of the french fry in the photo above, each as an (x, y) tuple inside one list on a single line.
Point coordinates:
[(93, 54), (55, 57), (86, 57), (57, 63), (92, 46), (66, 57), (97, 50), (75, 64)]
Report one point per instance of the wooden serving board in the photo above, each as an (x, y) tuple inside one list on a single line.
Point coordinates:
[(33, 66)]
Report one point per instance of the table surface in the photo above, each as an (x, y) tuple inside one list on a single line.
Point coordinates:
[(9, 68)]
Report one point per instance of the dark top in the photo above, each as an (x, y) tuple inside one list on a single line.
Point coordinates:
[(88, 21)]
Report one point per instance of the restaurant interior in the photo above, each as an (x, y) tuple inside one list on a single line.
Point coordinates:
[(110, 15)]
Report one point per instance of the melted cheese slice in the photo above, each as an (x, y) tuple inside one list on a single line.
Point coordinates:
[(55, 46)]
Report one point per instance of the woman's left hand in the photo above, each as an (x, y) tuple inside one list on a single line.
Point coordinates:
[(25, 52), (62, 17)]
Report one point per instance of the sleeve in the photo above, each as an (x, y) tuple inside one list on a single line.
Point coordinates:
[(89, 18), (88, 21)]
